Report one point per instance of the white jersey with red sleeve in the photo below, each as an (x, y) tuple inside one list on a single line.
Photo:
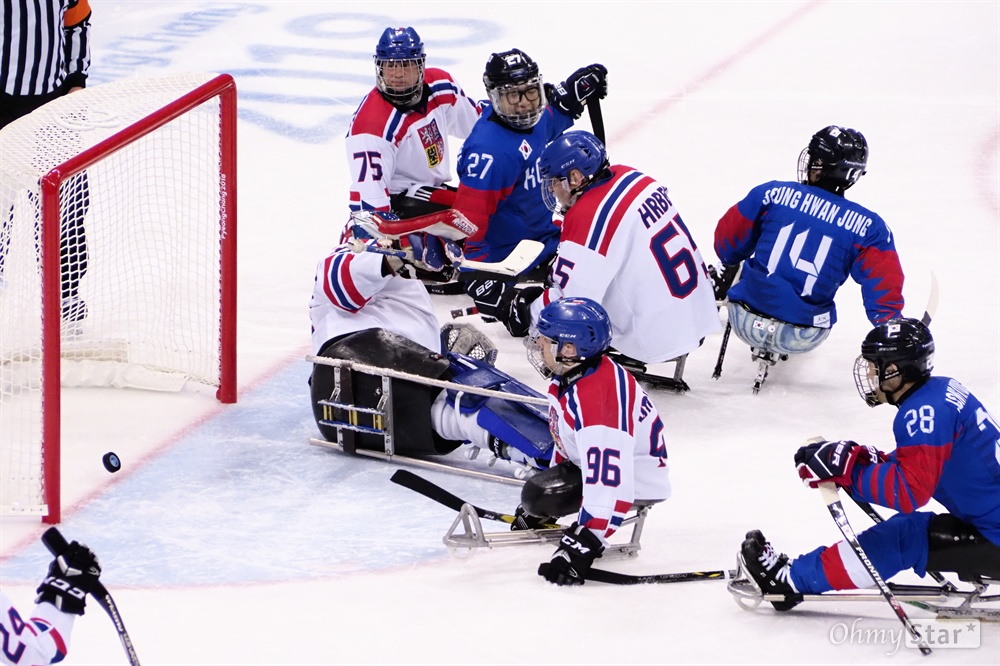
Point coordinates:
[(605, 424), (623, 244), (391, 151), (350, 294), (41, 639)]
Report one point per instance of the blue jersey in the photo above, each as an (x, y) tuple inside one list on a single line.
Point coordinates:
[(947, 447), (799, 243), (499, 185)]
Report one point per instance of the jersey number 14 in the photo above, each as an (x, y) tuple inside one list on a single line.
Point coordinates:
[(810, 268)]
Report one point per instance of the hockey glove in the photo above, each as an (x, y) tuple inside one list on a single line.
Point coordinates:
[(515, 309), (577, 550), (488, 295), (434, 254), (833, 461), (571, 95), (72, 576), (722, 279)]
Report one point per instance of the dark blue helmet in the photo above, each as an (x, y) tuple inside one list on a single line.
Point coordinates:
[(576, 150), (906, 344), (578, 320), (835, 159), (399, 44), (515, 88), (399, 66)]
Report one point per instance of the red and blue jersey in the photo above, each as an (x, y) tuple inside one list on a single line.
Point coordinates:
[(499, 185), (799, 244), (390, 150), (947, 447), (605, 423)]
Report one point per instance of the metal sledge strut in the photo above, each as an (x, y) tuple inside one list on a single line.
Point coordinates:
[(466, 533)]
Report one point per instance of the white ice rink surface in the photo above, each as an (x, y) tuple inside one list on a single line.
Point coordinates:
[(228, 539)]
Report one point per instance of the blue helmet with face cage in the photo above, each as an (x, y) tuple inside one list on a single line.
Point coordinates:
[(576, 150), (579, 320), (401, 46)]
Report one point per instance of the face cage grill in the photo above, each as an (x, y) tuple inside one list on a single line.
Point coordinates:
[(803, 168), (866, 379), (524, 119), (551, 200), (532, 346), (404, 96)]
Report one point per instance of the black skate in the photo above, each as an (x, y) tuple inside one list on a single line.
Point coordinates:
[(769, 570)]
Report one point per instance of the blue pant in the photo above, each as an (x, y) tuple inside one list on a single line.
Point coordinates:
[(899, 543)]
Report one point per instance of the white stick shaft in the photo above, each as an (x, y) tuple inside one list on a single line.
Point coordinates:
[(519, 260)]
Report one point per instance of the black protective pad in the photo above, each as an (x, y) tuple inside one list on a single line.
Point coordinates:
[(956, 546), (411, 402), (408, 207), (555, 492)]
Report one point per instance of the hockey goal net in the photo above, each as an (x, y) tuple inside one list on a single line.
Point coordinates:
[(117, 259)]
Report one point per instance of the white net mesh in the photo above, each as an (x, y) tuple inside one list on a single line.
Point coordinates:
[(139, 249)]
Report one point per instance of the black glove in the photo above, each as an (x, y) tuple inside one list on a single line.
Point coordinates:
[(72, 576), (488, 295), (515, 309), (577, 550), (722, 279), (833, 461), (571, 95), (525, 521)]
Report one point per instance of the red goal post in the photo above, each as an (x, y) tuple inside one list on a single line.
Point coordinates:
[(117, 259)]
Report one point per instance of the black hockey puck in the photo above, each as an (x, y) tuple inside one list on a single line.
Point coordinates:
[(111, 462)]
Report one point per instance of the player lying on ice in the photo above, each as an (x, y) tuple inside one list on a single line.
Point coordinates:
[(366, 308), (945, 449), (609, 445)]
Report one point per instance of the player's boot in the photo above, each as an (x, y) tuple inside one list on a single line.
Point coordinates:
[(769, 570), (524, 465), (525, 521)]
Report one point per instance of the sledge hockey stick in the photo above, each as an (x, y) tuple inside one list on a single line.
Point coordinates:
[(469, 311), (877, 518), (435, 492), (596, 118), (932, 302), (831, 497), (729, 327), (57, 545), (614, 578), (521, 258), (722, 350)]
